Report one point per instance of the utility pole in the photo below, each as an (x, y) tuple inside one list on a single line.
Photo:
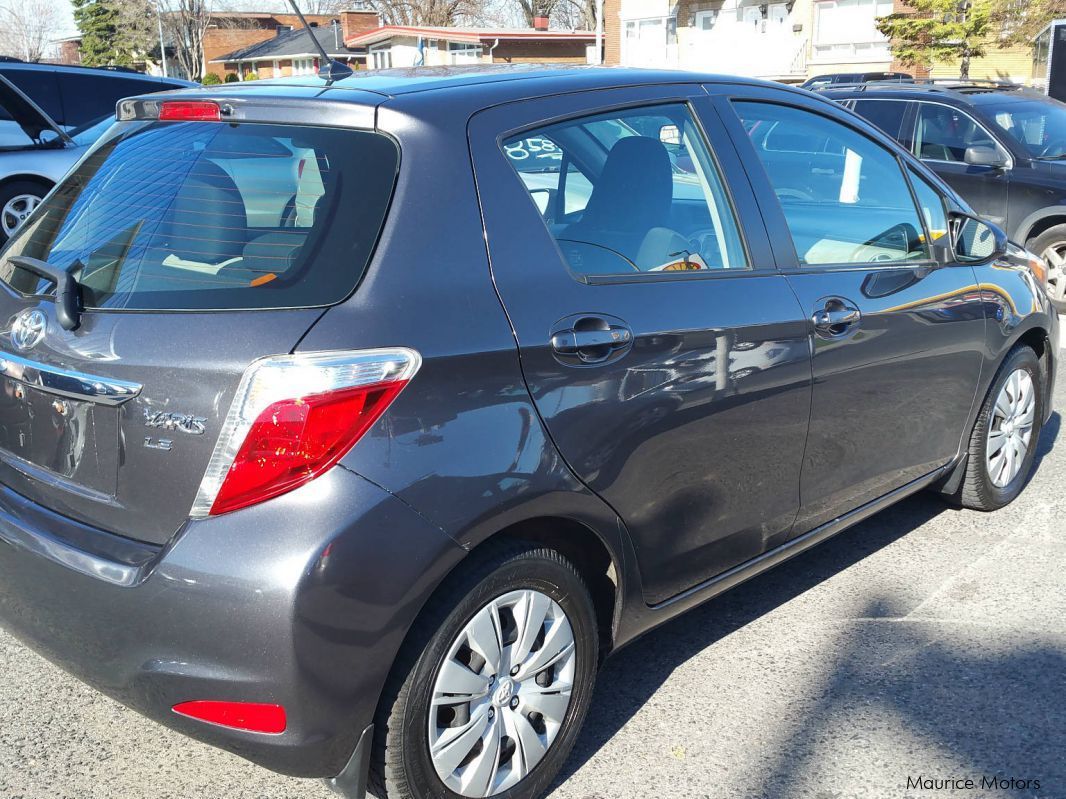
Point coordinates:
[(162, 44), (599, 31)]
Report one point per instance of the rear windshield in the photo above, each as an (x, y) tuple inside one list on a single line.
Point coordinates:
[(202, 216)]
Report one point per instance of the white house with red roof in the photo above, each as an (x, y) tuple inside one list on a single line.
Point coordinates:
[(413, 46)]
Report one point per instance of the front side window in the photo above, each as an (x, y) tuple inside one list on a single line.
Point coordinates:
[(943, 133), (845, 197), (630, 191)]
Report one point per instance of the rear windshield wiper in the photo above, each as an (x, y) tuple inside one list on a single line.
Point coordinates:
[(68, 293)]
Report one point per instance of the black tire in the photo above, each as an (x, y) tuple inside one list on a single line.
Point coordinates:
[(401, 766), (11, 190), (978, 490), (1053, 237)]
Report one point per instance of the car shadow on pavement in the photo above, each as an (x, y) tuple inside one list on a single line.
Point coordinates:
[(638, 671)]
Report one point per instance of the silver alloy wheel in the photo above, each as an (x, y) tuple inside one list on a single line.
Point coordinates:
[(501, 694), (16, 210), (1055, 258), (1011, 428)]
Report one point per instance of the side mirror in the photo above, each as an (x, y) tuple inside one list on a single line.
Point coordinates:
[(974, 240), (982, 155)]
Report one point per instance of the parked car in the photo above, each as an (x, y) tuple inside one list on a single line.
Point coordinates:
[(367, 492), (38, 146), (1003, 148), (73, 97), (842, 78)]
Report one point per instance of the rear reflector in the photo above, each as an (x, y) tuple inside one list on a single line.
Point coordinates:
[(249, 716), (189, 111), (294, 417)]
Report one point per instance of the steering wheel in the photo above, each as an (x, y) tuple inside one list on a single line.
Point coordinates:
[(1054, 148)]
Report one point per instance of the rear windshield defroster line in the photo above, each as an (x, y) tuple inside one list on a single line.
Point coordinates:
[(209, 216)]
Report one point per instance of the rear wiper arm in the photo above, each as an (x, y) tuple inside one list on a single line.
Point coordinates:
[(68, 293)]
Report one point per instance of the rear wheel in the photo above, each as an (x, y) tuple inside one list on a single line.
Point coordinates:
[(1004, 439), (494, 682), (17, 201), (1051, 246)]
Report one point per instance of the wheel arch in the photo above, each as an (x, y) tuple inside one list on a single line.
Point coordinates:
[(45, 181), (1038, 222)]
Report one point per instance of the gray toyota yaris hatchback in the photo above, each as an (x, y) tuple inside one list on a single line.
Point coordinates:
[(348, 427)]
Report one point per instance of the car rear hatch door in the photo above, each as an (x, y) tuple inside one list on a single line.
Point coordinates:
[(196, 248)]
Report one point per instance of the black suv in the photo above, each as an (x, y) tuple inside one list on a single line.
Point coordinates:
[(77, 96), (1003, 148)]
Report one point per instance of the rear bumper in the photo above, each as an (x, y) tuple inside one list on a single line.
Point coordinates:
[(302, 601)]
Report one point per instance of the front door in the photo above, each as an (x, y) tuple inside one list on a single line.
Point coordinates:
[(896, 338), (942, 134), (667, 358)]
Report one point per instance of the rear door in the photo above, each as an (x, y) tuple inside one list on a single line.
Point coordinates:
[(197, 247), (897, 338), (666, 356)]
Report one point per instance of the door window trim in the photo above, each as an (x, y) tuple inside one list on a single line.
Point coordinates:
[(750, 268), (914, 133), (731, 98)]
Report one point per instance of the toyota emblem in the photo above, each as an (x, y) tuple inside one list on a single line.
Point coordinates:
[(28, 329)]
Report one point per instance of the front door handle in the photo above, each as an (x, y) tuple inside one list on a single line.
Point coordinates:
[(587, 339), (836, 317)]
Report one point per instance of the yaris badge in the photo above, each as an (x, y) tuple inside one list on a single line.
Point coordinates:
[(28, 329)]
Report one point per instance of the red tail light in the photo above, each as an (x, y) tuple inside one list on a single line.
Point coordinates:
[(189, 111), (249, 716), (295, 440), (294, 417)]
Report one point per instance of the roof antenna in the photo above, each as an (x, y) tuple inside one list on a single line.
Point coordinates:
[(328, 68)]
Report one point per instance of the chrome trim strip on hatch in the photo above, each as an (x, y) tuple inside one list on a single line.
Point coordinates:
[(67, 383)]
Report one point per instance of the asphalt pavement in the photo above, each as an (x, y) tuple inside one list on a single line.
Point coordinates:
[(924, 644)]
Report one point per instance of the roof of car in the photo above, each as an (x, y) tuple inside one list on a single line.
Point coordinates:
[(95, 71), (527, 80), (969, 93)]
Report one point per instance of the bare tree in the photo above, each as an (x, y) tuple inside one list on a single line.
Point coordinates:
[(426, 12), (531, 9), (184, 25), (576, 14), (28, 28)]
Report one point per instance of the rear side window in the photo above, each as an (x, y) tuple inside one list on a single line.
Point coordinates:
[(42, 87), (88, 97), (195, 216), (630, 191), (885, 114)]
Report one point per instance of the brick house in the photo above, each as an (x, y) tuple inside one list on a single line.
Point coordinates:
[(291, 52), (407, 46)]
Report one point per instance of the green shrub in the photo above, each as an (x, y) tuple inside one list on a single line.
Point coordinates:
[(252, 76), (231, 77), (211, 79)]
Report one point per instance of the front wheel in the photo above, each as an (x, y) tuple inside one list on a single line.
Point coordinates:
[(494, 682), (1004, 439), (18, 199)]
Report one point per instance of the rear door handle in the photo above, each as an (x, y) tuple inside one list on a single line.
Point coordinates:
[(836, 317), (569, 342)]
